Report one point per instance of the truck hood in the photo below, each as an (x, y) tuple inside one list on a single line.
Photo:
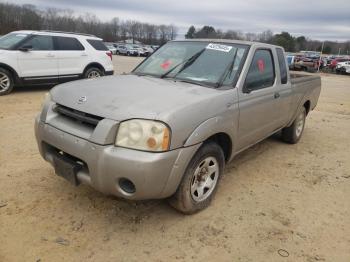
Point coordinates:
[(129, 96)]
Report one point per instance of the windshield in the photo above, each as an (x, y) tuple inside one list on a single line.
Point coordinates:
[(9, 40), (199, 62)]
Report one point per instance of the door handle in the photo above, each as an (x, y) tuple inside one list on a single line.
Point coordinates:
[(83, 54), (277, 95), (50, 55)]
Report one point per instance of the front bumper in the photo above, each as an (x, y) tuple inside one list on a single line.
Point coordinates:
[(155, 175)]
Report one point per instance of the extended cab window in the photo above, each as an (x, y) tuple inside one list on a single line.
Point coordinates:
[(97, 44), (282, 65), (261, 73), (68, 44), (39, 43)]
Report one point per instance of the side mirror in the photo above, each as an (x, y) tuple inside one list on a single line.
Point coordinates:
[(25, 48), (247, 90)]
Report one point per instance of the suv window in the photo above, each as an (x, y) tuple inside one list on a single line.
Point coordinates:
[(282, 65), (97, 44), (261, 73), (68, 44), (39, 43)]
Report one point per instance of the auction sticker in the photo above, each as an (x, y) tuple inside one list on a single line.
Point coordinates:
[(218, 47)]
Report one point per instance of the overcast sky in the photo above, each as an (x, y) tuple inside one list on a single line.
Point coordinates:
[(317, 19)]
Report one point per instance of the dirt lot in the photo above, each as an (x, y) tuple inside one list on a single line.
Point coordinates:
[(276, 202)]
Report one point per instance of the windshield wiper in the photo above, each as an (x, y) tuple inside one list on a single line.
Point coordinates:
[(228, 71), (185, 64)]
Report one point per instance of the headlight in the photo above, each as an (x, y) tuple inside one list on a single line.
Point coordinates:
[(144, 135)]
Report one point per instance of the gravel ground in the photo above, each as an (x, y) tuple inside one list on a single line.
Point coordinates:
[(276, 202)]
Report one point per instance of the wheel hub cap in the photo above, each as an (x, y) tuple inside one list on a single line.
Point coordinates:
[(4, 82), (204, 179), (94, 74)]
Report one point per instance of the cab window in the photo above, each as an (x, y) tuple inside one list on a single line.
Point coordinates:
[(261, 73), (282, 65)]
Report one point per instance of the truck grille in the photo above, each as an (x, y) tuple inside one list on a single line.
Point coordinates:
[(78, 116)]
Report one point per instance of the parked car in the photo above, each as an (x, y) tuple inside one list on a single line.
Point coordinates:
[(140, 50), (335, 61), (306, 64), (155, 47), (291, 61), (111, 48), (127, 49), (48, 57), (167, 129), (343, 67), (148, 49)]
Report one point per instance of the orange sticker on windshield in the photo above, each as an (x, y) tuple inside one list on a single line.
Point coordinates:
[(166, 64), (261, 65)]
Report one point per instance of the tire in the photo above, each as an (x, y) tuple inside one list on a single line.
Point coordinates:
[(200, 181), (293, 133), (93, 72), (6, 82), (118, 53), (127, 53)]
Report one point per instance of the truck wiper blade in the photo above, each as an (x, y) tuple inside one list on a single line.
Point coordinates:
[(185, 64), (227, 72)]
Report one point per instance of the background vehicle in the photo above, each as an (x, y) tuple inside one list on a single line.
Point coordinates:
[(48, 57), (148, 49), (343, 67), (128, 50), (167, 129), (140, 50), (111, 48), (155, 47), (335, 61)]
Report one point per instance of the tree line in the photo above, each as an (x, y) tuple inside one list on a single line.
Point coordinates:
[(289, 42), (28, 17)]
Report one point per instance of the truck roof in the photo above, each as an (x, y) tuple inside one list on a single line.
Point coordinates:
[(228, 41)]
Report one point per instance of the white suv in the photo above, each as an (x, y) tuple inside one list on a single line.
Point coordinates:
[(50, 57)]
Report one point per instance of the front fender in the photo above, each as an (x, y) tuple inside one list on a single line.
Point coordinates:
[(209, 128)]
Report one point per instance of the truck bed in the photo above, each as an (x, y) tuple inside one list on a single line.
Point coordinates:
[(306, 87)]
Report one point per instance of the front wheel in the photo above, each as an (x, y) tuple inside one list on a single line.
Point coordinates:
[(6, 82), (292, 134), (93, 72), (200, 180)]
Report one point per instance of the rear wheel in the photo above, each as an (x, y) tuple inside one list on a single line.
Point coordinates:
[(6, 82), (200, 180), (93, 72), (292, 134)]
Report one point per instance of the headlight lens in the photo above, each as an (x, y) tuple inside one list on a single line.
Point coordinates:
[(147, 135)]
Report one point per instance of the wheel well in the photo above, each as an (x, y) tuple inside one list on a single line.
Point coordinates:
[(11, 70), (307, 106), (224, 141), (97, 65)]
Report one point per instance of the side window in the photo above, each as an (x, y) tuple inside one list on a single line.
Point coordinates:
[(283, 67), (97, 45), (40, 43), (261, 73), (68, 44)]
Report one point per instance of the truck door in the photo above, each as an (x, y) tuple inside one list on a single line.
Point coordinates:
[(258, 106)]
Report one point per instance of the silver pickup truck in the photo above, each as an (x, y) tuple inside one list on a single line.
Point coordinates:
[(167, 129)]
